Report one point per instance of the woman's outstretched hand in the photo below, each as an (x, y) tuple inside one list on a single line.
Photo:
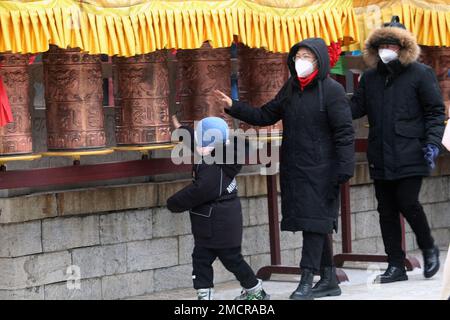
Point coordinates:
[(223, 97)]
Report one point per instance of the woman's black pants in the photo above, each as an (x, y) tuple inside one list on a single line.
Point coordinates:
[(316, 252)]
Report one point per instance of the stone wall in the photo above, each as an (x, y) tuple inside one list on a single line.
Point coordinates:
[(126, 243)]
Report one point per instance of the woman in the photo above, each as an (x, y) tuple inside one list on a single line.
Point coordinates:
[(317, 154)]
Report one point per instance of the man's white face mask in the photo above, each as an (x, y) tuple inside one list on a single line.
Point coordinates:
[(387, 55), (303, 67)]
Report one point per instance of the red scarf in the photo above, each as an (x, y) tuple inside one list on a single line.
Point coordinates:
[(304, 81), (5, 108)]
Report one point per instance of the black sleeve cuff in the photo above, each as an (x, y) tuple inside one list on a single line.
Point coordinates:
[(234, 107)]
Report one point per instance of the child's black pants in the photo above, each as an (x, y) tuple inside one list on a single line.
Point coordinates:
[(231, 258)]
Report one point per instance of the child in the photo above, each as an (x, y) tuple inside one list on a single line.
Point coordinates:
[(215, 212)]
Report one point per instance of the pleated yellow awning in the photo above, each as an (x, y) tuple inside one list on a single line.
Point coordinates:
[(429, 20), (130, 27)]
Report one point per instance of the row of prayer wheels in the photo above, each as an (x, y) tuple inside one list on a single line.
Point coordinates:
[(74, 94)]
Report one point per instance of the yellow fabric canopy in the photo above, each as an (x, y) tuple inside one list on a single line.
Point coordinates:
[(130, 27), (429, 20)]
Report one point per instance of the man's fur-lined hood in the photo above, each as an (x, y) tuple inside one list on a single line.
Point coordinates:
[(409, 51)]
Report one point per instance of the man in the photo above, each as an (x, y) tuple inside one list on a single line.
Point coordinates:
[(406, 115)]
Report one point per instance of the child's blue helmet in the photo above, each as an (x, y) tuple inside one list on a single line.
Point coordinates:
[(211, 130)]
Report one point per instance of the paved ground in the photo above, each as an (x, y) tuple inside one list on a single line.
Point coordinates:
[(359, 287)]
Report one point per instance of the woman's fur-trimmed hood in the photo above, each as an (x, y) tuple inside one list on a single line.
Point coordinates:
[(409, 51)]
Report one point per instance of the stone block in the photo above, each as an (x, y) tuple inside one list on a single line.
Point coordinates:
[(186, 247), (66, 233), (34, 270), (90, 289), (441, 237), (20, 239), (290, 240), (173, 277), (255, 185), (364, 246), (258, 211), (434, 189), (152, 254), (255, 240), (167, 189), (33, 293), (167, 224), (101, 260), (104, 199), (126, 226), (127, 285), (26, 208), (440, 215), (367, 225), (362, 198)]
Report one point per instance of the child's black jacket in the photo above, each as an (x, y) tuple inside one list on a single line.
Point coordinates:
[(213, 203)]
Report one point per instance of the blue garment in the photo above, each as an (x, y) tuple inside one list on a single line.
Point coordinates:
[(430, 154), (211, 130)]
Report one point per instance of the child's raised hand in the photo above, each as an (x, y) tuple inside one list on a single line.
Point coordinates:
[(176, 124), (223, 97)]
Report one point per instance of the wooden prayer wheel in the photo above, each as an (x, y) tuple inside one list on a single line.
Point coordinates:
[(439, 59), (74, 100), (142, 99), (16, 137), (261, 76), (200, 72)]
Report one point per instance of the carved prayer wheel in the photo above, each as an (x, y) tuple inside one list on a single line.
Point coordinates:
[(16, 137), (439, 59), (74, 100), (261, 76), (142, 99), (200, 72)]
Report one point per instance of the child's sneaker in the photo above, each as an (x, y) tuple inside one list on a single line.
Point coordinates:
[(255, 293), (205, 294)]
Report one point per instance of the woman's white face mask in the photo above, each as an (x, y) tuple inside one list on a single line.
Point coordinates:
[(304, 67), (387, 55)]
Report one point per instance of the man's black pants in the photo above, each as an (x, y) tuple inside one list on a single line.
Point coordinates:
[(395, 197), (231, 258)]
